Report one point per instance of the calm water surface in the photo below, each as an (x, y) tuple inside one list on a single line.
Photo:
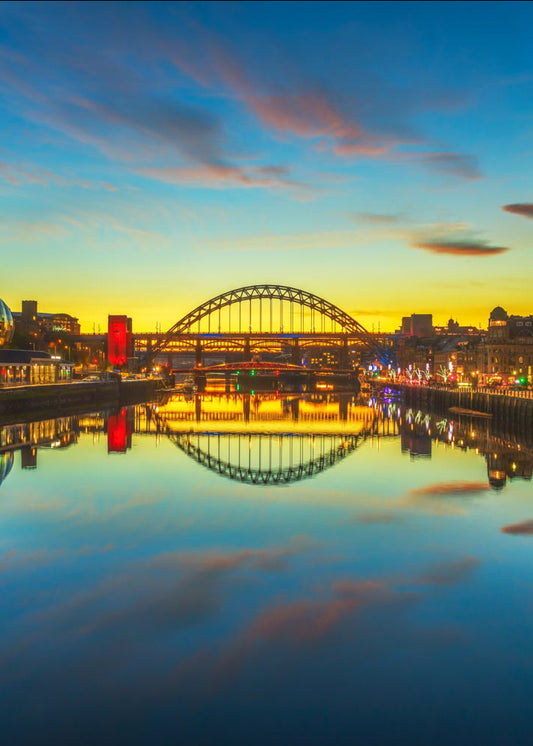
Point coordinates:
[(253, 570)]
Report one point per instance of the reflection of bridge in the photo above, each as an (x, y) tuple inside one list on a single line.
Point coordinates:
[(282, 454), (283, 440), (313, 410), (264, 458), (267, 319)]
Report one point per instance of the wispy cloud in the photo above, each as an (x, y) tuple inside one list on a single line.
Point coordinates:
[(224, 176), (461, 248), (17, 176), (377, 218), (144, 115), (454, 164), (525, 209)]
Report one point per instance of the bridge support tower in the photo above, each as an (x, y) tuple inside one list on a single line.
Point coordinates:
[(343, 354), (296, 353)]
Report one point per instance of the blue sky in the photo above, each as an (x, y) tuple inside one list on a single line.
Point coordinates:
[(155, 154)]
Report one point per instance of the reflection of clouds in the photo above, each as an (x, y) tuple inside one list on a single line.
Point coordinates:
[(432, 498), (451, 488), (358, 617), (146, 646), (167, 592), (525, 528), (16, 559), (370, 518), (308, 619), (450, 573)]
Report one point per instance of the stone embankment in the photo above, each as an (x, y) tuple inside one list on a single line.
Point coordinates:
[(63, 398), (502, 406)]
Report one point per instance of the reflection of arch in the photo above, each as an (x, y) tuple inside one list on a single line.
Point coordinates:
[(283, 293), (6, 464), (258, 458)]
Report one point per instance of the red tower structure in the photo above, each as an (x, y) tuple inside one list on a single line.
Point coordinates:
[(119, 340)]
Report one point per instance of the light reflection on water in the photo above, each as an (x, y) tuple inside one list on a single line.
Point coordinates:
[(257, 569)]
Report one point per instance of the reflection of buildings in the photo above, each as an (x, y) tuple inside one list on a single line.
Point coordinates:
[(508, 463), (119, 429), (6, 464), (417, 444), (508, 456), (28, 437), (270, 439), (28, 457)]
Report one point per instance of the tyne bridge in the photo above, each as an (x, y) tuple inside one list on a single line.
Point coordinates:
[(261, 322)]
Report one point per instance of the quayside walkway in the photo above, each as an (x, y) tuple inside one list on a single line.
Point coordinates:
[(502, 405)]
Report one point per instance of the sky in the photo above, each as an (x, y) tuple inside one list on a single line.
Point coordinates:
[(154, 155)]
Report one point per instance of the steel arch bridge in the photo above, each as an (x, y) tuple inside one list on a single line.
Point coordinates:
[(263, 316)]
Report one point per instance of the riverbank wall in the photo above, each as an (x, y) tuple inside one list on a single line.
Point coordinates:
[(55, 399), (504, 407)]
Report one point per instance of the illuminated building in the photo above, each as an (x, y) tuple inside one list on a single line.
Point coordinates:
[(29, 322), (119, 340), (507, 353), (22, 367)]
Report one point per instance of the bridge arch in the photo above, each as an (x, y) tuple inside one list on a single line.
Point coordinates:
[(281, 465), (312, 308)]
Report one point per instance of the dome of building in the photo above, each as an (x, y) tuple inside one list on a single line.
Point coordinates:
[(498, 314), (7, 327)]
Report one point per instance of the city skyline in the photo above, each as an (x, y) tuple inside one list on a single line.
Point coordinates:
[(155, 155)]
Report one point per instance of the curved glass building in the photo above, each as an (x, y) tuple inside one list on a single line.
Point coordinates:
[(7, 327)]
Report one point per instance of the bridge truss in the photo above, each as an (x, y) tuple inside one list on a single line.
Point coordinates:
[(264, 318)]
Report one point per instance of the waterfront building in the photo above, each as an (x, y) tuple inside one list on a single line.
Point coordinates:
[(26, 366), (507, 352), (417, 325), (29, 322), (453, 327), (20, 367)]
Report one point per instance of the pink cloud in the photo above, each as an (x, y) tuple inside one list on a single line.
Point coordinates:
[(363, 148), (305, 115), (221, 176), (461, 248)]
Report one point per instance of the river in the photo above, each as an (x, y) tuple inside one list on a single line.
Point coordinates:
[(265, 570)]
